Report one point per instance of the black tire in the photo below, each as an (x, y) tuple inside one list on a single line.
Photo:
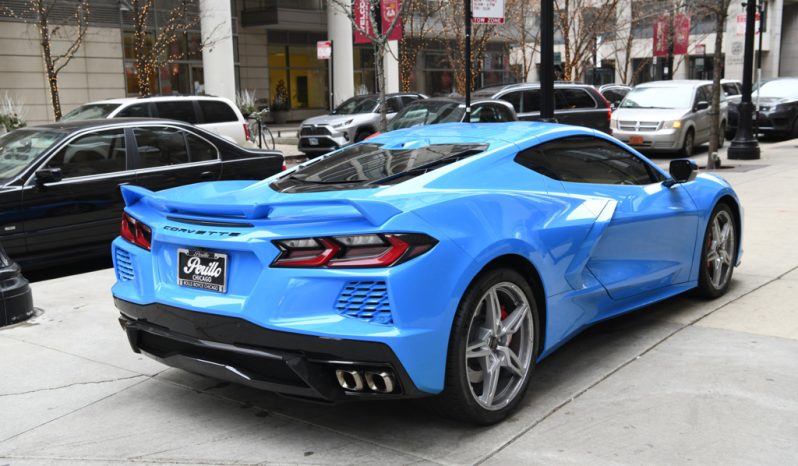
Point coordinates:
[(459, 398), (707, 287), (688, 144), (722, 135), (362, 134)]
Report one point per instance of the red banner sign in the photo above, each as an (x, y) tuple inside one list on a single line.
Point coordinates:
[(681, 34), (361, 10)]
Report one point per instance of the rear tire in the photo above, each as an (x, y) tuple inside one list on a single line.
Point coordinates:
[(718, 253), (492, 349)]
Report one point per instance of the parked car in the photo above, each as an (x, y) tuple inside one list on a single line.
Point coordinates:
[(731, 87), (667, 116), (433, 261), (352, 121), (778, 108), (614, 93), (215, 114), (59, 183), (16, 298), (449, 110), (574, 104)]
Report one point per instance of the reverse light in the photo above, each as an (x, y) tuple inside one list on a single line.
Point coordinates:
[(136, 232), (352, 251)]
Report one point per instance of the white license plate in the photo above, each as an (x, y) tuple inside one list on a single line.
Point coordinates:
[(202, 269), (313, 141)]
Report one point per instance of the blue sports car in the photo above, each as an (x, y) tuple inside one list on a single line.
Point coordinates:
[(444, 260)]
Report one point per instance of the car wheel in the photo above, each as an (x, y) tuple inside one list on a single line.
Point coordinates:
[(492, 349), (722, 135), (794, 128), (688, 144), (362, 134), (719, 253)]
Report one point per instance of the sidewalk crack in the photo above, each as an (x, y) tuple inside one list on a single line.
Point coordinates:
[(71, 385)]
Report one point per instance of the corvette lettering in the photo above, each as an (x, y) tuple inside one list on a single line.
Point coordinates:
[(215, 234)]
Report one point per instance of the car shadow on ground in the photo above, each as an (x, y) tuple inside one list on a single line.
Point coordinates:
[(580, 364), (65, 270)]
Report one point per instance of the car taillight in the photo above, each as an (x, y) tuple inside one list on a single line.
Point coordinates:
[(374, 135), (136, 232), (246, 132), (354, 251)]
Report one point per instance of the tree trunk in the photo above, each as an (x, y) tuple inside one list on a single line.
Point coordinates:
[(379, 51), (52, 76), (714, 128)]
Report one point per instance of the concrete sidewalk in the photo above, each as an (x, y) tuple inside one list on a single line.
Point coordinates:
[(683, 381)]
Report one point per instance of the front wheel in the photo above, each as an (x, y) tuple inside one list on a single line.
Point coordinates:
[(689, 144), (718, 254), (492, 349)]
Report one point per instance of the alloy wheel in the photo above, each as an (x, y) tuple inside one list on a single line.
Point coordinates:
[(500, 346), (720, 249)]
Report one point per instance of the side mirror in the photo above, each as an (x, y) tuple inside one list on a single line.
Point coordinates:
[(703, 105), (682, 171), (48, 175)]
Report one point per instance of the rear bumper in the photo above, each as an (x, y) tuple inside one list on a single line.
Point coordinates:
[(239, 351), (666, 140)]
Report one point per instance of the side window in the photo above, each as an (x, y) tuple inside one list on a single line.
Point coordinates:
[(136, 110), (702, 94), (486, 114), (180, 110), (160, 147), (531, 101), (573, 98), (393, 105), (214, 111), (613, 96), (515, 100), (200, 149), (408, 99), (92, 154), (587, 160)]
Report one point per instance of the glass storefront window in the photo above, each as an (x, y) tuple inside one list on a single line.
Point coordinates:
[(296, 71), (132, 80)]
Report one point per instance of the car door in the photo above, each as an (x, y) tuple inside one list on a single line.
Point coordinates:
[(168, 156), (82, 209), (650, 238), (574, 106), (702, 118)]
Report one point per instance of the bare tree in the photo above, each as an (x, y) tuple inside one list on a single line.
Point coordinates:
[(379, 38), (418, 28), (581, 22), (39, 12), (522, 30)]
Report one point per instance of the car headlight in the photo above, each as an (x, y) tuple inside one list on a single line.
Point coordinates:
[(675, 124), (342, 124)]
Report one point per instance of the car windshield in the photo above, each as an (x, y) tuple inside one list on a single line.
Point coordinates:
[(21, 147), (659, 97), (355, 105), (371, 165), (783, 88), (90, 112), (427, 113)]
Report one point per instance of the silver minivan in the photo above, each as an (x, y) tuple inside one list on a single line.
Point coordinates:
[(667, 116)]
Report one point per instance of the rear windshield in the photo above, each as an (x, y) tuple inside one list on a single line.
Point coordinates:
[(370, 165), (427, 113), (90, 112)]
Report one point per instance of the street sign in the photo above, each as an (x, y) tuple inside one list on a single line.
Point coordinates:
[(487, 11), (323, 49), (700, 49), (741, 24)]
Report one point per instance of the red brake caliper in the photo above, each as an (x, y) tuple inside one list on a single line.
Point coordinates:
[(504, 315)]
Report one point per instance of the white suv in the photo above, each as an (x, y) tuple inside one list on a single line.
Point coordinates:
[(215, 114)]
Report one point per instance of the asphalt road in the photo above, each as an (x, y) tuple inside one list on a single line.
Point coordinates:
[(683, 381)]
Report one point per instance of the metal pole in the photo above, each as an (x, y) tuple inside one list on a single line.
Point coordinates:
[(330, 78), (744, 145), (468, 16), (547, 60), (669, 63), (762, 7)]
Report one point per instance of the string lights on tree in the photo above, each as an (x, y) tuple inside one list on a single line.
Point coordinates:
[(38, 12)]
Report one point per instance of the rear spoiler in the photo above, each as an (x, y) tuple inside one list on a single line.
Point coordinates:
[(375, 212)]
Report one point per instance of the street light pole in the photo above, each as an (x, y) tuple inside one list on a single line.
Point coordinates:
[(547, 60), (744, 145), (468, 17)]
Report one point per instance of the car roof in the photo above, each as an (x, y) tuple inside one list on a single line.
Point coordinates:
[(75, 125), (495, 89), (676, 83), (458, 100), (157, 98)]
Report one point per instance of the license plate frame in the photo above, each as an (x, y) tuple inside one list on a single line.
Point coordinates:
[(196, 269), (636, 140)]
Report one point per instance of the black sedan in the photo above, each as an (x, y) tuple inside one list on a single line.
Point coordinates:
[(452, 110), (59, 183), (778, 108)]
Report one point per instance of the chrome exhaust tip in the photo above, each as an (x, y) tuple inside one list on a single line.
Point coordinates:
[(380, 382), (349, 380)]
